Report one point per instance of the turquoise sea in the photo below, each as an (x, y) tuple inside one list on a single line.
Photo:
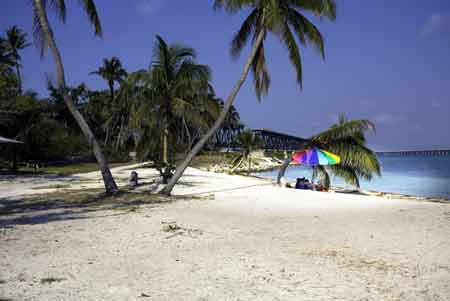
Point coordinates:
[(427, 176)]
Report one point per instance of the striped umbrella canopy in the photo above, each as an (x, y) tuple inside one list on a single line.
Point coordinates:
[(315, 156)]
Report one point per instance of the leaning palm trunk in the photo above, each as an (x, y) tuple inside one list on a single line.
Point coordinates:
[(282, 170), (223, 114), (110, 184)]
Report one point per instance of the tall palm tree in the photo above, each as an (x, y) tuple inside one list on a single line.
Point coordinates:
[(111, 71), (15, 41), (176, 79), (285, 20), (44, 38)]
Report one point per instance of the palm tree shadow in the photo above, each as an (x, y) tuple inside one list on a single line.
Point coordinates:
[(72, 206)]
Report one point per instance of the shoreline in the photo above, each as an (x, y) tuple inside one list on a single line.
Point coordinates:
[(272, 164), (53, 183)]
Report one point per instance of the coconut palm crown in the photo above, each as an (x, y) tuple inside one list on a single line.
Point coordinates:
[(13, 43), (176, 80), (111, 71), (286, 20)]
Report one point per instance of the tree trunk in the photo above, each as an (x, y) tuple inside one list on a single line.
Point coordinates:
[(165, 156), (188, 135), (19, 78), (223, 114), (282, 170), (110, 184), (119, 136), (111, 90)]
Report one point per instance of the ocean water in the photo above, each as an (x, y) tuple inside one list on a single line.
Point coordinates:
[(427, 176)]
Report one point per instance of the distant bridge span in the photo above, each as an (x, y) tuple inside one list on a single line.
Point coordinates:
[(435, 152), (278, 141)]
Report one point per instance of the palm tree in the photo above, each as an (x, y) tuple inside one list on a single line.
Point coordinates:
[(248, 142), (16, 40), (176, 80), (44, 38), (111, 71), (285, 20), (346, 139), (5, 57)]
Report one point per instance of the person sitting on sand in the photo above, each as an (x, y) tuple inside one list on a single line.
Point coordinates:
[(299, 183), (134, 179), (308, 185)]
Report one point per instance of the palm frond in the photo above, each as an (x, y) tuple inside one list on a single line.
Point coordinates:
[(357, 156), (321, 8), (347, 173), (245, 32), (92, 14), (232, 6), (261, 77), (344, 130), (59, 6), (305, 30), (294, 53)]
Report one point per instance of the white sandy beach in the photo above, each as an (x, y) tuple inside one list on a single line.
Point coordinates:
[(245, 239)]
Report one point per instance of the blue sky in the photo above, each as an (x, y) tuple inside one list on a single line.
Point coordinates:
[(388, 61)]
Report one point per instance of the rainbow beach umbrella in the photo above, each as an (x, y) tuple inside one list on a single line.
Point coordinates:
[(315, 156)]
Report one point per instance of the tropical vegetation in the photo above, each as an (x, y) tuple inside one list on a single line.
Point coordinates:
[(157, 113), (167, 112), (346, 139), (45, 39), (285, 19), (248, 142)]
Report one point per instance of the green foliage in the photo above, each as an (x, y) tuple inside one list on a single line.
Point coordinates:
[(111, 71), (14, 41), (178, 98), (174, 93), (60, 9), (347, 139), (284, 19), (247, 142)]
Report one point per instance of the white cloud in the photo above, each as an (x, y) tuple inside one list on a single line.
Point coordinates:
[(365, 102), (387, 119), (149, 6), (435, 23), (435, 104)]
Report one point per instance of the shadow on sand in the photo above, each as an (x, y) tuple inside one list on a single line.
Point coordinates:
[(73, 205)]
